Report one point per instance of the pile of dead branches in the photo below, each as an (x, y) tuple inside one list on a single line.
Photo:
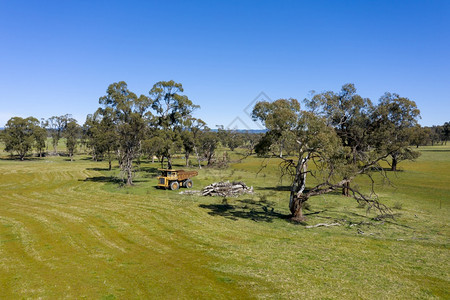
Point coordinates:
[(227, 189)]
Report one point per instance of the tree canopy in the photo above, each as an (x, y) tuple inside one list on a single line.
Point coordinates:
[(343, 134), (127, 112), (19, 135)]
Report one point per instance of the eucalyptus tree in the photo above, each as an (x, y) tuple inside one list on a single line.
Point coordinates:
[(315, 140), (72, 134), (127, 113), (446, 131), (208, 144), (420, 135), (350, 115), (280, 117), (250, 140), (436, 134), (40, 136), (88, 135), (57, 125), (396, 118), (162, 143), (153, 146), (229, 138), (340, 136), (102, 134), (19, 135), (188, 140), (195, 126), (172, 110), (235, 140)]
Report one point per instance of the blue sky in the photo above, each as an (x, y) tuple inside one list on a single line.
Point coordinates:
[(58, 57)]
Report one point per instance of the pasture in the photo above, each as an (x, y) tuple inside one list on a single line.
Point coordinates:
[(70, 230)]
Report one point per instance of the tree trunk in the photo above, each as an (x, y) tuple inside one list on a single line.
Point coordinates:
[(297, 209), (394, 163), (209, 161), (187, 159), (128, 166), (169, 162), (297, 198), (346, 189), (129, 170), (198, 159), (109, 165)]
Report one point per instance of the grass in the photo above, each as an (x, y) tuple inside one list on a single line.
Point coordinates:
[(71, 230)]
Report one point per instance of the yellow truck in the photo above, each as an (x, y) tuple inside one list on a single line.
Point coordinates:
[(173, 179)]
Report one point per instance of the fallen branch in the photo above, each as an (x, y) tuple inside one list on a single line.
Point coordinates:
[(323, 224)]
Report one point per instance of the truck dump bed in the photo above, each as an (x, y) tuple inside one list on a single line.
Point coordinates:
[(183, 175)]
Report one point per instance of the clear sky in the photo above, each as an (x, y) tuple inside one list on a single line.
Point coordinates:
[(58, 57)]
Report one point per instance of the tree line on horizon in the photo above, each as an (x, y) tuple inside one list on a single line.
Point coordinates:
[(343, 134)]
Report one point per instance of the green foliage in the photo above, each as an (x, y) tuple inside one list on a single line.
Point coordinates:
[(57, 126), (396, 117), (101, 134), (208, 145), (127, 112), (280, 118), (173, 114), (342, 134), (172, 108), (40, 135), (72, 133), (20, 135)]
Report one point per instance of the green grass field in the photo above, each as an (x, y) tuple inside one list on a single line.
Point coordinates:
[(69, 230)]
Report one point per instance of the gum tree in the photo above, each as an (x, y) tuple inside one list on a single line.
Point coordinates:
[(396, 119), (315, 141), (341, 136), (72, 133), (19, 135), (40, 136), (101, 133), (349, 114), (57, 125), (172, 110), (128, 113)]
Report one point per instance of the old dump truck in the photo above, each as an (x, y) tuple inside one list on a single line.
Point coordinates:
[(173, 179)]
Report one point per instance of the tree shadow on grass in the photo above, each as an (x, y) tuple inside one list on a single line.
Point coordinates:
[(258, 211), (435, 150), (109, 179), (278, 188), (17, 158), (101, 169), (88, 158), (350, 218), (149, 170)]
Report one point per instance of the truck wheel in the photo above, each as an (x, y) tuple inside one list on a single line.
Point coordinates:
[(188, 184), (174, 185)]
